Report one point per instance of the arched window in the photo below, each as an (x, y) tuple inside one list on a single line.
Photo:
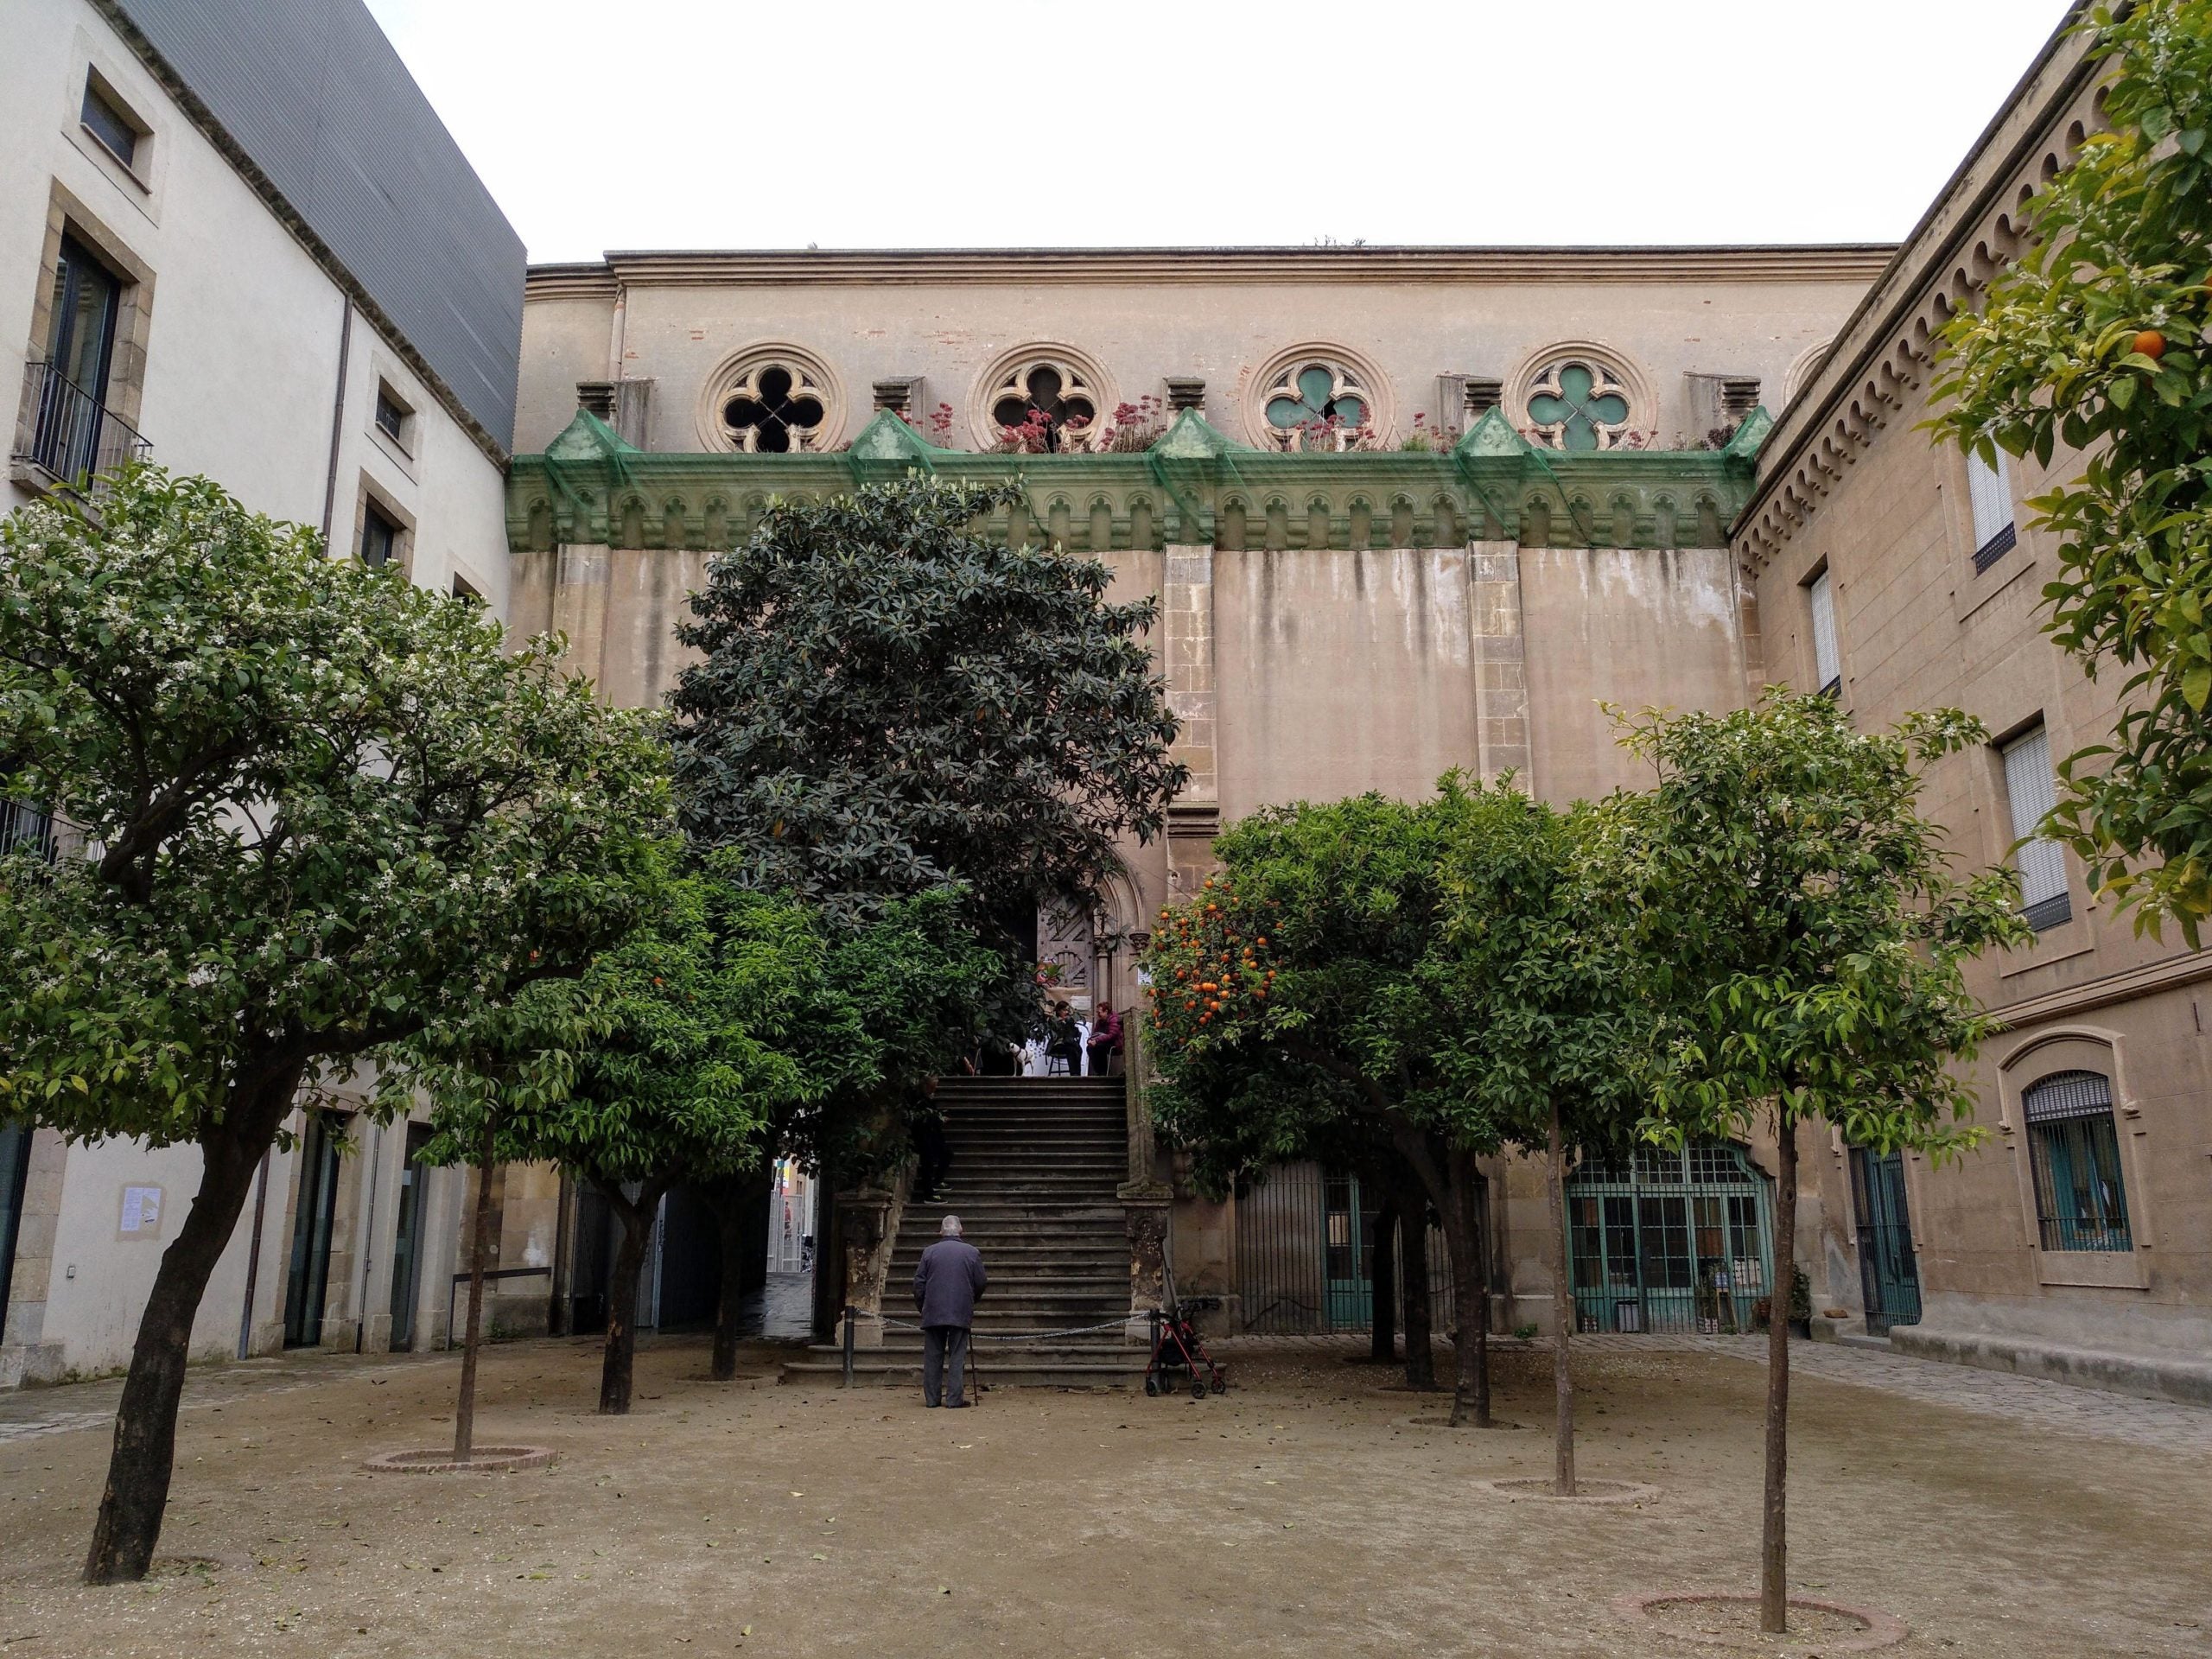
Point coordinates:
[(1576, 404), (775, 401), (1661, 1240), (1318, 397), (2081, 1195), (1043, 400)]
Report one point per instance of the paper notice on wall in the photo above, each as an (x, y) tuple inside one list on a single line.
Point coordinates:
[(142, 1210)]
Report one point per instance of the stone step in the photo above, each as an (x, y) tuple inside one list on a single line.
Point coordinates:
[(904, 1373)]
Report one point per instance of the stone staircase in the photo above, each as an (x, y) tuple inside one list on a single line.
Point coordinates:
[(1035, 1163)]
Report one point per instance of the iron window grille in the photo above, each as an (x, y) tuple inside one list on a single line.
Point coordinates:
[(2081, 1195)]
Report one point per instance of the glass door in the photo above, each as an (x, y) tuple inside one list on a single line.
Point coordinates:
[(308, 1285), (15, 1168), (407, 1241), (80, 346)]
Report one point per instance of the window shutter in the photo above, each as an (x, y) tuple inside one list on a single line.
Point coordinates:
[(2033, 788), (1990, 490), (1827, 663)]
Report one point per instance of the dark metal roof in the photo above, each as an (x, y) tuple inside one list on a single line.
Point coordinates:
[(317, 98)]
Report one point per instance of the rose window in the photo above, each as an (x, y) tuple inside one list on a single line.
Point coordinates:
[(1576, 404), (1318, 405), (1044, 407), (774, 409)]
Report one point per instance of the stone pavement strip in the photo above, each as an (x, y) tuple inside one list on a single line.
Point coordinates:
[(2028, 1402), (29, 1413)]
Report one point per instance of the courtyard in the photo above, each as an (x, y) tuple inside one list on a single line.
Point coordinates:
[(1315, 1509)]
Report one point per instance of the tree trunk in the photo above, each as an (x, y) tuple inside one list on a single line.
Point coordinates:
[(480, 1256), (143, 1458), (1562, 1321), (1412, 1251), (1382, 1281), (1470, 1350), (615, 1369), (728, 1207), (1774, 1543)]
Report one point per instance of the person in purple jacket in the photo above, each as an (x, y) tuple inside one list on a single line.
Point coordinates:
[(947, 1280)]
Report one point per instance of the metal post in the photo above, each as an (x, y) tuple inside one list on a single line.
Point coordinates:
[(849, 1347)]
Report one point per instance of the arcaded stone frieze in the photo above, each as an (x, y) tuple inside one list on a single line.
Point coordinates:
[(1884, 356)]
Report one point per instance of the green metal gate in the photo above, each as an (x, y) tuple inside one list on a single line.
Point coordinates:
[(1665, 1241)]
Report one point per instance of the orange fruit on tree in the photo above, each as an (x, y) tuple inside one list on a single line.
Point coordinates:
[(2151, 343)]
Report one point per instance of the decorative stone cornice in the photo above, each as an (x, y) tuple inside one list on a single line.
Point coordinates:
[(1193, 487), (1882, 357), (1035, 267)]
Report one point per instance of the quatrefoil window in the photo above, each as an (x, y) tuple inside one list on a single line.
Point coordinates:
[(1318, 405), (1049, 405), (1576, 404), (775, 407)]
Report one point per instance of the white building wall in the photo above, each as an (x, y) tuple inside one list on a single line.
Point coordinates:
[(238, 379)]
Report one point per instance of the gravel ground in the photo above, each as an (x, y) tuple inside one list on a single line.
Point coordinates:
[(1314, 1509)]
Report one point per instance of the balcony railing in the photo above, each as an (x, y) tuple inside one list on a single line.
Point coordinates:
[(66, 433), (24, 824)]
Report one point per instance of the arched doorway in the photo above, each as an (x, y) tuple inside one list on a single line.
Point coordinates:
[(1661, 1240)]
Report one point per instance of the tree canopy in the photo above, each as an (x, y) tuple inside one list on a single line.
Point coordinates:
[(2100, 338), (316, 803), (890, 702), (1804, 937)]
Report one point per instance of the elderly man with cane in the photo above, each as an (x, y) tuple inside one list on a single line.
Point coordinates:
[(947, 1282)]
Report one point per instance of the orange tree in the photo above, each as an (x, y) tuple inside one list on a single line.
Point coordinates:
[(1306, 998)]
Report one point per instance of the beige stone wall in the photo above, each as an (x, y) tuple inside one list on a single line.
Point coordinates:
[(1413, 314)]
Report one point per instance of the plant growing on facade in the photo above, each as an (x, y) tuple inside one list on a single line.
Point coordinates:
[(889, 702), (1551, 1029), (1309, 990), (1797, 925), (2100, 338), (319, 803)]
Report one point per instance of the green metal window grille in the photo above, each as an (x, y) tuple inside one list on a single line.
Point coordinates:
[(1575, 406), (1317, 396), (1665, 1240), (2081, 1196)]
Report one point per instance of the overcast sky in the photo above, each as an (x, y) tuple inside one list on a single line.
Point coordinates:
[(717, 124)]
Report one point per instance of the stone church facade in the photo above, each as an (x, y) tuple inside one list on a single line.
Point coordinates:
[(1413, 508)]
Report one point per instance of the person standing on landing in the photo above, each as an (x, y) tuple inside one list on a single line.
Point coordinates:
[(947, 1282)]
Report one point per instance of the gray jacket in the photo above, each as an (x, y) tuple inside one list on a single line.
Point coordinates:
[(947, 1282)]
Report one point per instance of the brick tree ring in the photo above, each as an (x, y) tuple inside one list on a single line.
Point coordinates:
[(487, 1460), (1850, 1629)]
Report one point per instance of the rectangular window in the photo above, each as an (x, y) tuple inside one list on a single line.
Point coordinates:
[(2031, 788), (103, 118), (391, 416), (1827, 663), (1990, 490), (380, 537), (2081, 1196)]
